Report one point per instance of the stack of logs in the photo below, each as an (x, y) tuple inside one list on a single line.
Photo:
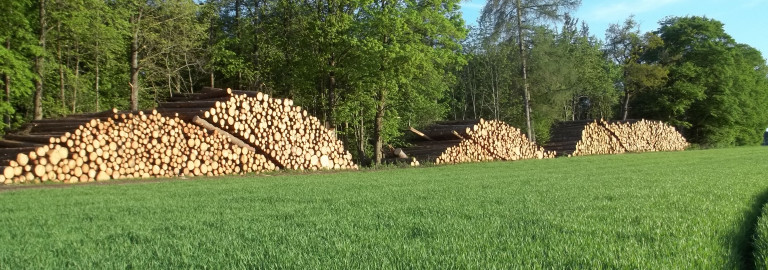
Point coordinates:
[(615, 137), (213, 132), (493, 140), (286, 134), (472, 141), (123, 146)]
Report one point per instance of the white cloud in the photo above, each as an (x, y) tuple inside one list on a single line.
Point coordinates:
[(622, 9)]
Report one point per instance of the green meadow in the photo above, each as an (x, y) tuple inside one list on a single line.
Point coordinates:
[(677, 210)]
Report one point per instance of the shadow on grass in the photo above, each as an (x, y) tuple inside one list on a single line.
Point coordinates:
[(744, 238)]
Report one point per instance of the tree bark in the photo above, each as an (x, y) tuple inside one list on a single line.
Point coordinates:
[(39, 66), (523, 66), (7, 82), (625, 106), (76, 86), (135, 20), (331, 91), (61, 65), (361, 140), (379, 125), (97, 78), (211, 36)]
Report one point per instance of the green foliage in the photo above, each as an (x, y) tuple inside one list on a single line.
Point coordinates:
[(716, 87), (653, 210), (626, 47), (568, 78), (17, 45)]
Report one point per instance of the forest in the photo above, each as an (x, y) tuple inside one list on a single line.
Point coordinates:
[(371, 69)]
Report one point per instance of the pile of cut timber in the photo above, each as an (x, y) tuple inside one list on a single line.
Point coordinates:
[(101, 147), (286, 134), (580, 138), (474, 140), (213, 132)]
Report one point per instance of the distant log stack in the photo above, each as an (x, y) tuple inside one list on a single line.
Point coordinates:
[(494, 140), (286, 134), (472, 141), (124, 146), (579, 138)]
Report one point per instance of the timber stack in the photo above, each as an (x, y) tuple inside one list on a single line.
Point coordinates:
[(472, 141), (112, 145), (213, 132), (286, 134), (579, 138)]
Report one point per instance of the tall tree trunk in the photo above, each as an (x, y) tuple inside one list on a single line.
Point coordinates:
[(97, 83), (76, 86), (211, 42), (189, 75), (40, 65), (238, 3), (379, 125), (7, 82), (257, 33), (135, 65), (523, 67), (168, 73), (331, 91), (361, 139), (625, 107), (61, 65)]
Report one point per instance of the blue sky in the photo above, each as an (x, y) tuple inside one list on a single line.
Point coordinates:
[(745, 20)]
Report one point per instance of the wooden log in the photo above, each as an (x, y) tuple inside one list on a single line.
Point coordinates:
[(421, 134), (17, 144), (35, 139), (212, 95), (208, 126), (202, 104)]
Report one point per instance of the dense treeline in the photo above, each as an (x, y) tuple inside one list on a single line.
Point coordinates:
[(689, 73), (371, 68)]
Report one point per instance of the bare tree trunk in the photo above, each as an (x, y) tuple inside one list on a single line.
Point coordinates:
[(136, 21), (76, 85), (331, 91), (211, 35), (61, 65), (625, 107), (189, 75), (237, 18), (361, 139), (168, 73), (97, 83), (39, 66), (135, 73), (7, 82), (379, 125), (523, 67)]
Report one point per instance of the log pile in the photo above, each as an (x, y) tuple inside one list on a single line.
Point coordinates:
[(493, 140), (123, 145), (578, 138), (472, 141), (213, 132), (285, 133)]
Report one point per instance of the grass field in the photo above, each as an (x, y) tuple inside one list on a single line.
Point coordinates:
[(682, 210)]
